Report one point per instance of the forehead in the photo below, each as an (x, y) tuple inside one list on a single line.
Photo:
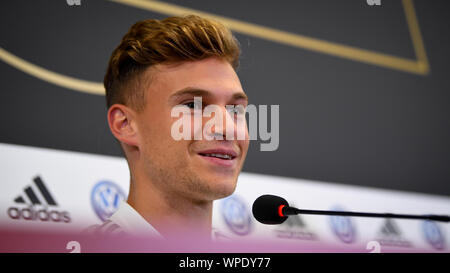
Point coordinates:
[(215, 75)]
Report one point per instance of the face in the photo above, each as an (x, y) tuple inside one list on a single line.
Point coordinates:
[(201, 169)]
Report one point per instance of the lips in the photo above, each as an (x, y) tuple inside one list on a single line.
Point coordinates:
[(226, 154), (223, 157)]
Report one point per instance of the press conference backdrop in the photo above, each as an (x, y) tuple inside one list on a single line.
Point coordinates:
[(362, 88)]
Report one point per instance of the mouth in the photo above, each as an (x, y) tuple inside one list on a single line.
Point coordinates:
[(222, 157)]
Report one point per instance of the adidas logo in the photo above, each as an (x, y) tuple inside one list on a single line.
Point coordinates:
[(390, 229), (390, 235), (37, 197)]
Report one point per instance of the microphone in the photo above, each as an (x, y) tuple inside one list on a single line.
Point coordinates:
[(273, 210)]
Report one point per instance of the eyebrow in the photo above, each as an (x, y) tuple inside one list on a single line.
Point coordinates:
[(203, 93)]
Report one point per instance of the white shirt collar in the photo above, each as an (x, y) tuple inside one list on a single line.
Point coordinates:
[(134, 224)]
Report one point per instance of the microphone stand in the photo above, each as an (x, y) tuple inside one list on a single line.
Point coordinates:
[(286, 210)]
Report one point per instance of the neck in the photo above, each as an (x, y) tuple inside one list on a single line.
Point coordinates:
[(170, 213)]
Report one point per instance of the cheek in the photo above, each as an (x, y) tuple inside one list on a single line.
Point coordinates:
[(245, 142), (243, 136), (156, 134), (244, 145)]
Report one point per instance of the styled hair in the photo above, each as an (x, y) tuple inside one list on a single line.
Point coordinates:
[(169, 41)]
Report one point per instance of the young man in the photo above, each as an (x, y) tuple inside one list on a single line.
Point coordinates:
[(160, 65)]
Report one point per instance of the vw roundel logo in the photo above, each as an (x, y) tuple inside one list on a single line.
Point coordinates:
[(105, 199), (342, 227), (433, 235), (236, 215)]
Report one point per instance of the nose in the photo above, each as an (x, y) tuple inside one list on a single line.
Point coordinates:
[(226, 124), (229, 123)]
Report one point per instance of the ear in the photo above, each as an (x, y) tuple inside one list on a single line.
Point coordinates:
[(122, 124)]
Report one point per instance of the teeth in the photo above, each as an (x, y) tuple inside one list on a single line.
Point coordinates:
[(219, 156)]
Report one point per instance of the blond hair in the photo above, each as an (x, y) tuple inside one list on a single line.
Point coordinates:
[(172, 40)]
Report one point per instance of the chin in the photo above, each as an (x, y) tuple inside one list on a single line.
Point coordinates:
[(222, 187)]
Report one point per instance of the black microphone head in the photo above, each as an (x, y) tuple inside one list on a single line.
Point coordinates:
[(265, 209)]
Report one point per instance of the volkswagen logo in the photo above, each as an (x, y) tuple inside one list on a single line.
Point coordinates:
[(105, 199), (236, 215), (433, 235), (342, 227)]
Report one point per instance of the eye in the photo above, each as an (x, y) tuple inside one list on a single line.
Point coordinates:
[(190, 104), (193, 105), (238, 109)]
